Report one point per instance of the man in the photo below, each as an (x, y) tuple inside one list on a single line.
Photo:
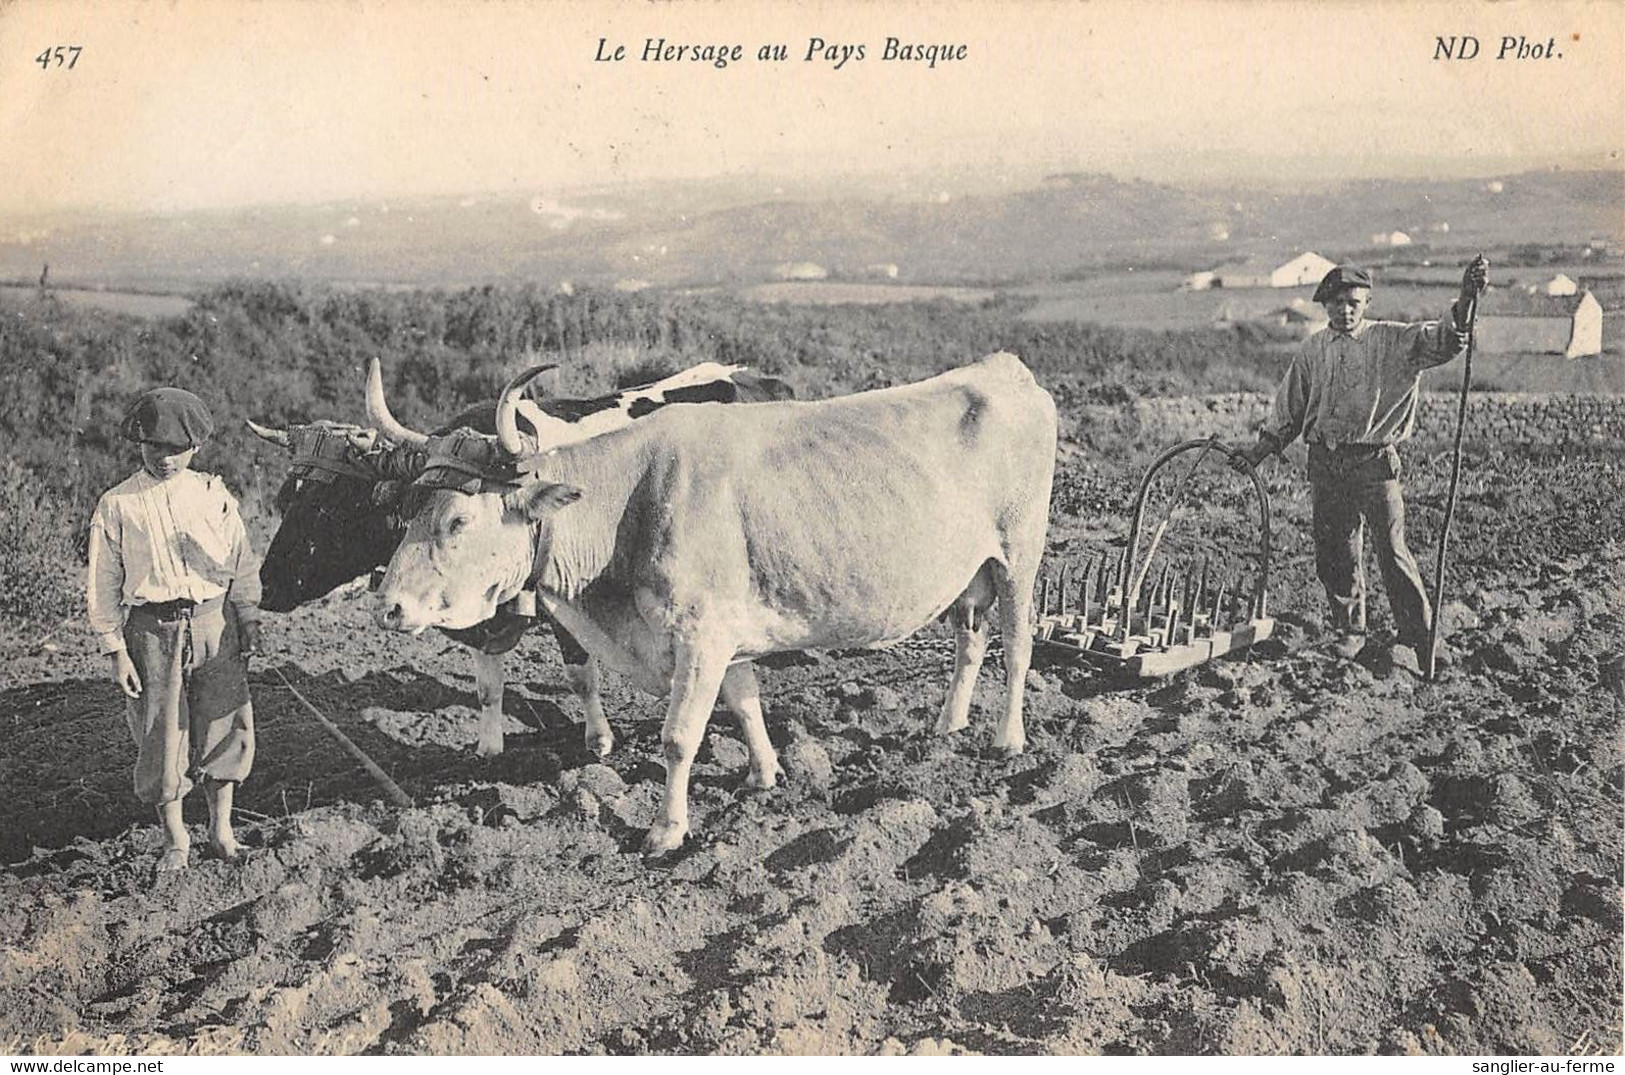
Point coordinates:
[(1351, 394)]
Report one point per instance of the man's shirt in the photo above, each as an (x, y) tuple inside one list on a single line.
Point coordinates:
[(153, 541), (1358, 387)]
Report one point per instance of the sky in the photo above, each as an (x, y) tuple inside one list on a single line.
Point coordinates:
[(207, 104)]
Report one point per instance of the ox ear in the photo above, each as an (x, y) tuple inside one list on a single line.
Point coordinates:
[(539, 497)]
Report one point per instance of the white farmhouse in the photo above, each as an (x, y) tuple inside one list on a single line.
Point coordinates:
[(1512, 321), (1304, 270), (801, 270), (1298, 318), (1253, 273)]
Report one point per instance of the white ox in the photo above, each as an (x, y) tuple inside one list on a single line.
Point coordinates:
[(327, 543), (688, 543)]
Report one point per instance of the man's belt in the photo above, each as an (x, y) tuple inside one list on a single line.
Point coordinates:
[(1349, 448)]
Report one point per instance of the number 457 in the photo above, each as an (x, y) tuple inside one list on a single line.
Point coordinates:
[(60, 55)]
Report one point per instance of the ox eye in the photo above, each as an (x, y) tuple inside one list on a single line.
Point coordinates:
[(455, 526)]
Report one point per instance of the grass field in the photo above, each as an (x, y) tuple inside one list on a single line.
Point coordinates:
[(1602, 374), (834, 293), (1154, 300), (134, 303)]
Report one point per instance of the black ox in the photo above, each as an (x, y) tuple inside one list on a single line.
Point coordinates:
[(350, 489)]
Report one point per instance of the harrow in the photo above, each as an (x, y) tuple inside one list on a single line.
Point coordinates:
[(1109, 613)]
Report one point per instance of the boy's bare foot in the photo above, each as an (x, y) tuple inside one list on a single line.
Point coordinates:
[(222, 840)]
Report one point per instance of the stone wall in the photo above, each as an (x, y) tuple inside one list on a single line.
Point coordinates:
[(1502, 417)]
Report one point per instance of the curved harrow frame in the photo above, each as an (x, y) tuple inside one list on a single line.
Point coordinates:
[(1108, 616)]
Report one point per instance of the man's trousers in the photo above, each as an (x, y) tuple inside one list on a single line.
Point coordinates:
[(1356, 486)]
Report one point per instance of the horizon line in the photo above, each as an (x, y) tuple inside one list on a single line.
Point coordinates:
[(972, 181)]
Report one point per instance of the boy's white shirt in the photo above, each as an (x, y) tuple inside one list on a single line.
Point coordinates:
[(155, 540)]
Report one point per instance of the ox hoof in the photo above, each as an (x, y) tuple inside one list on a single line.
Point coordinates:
[(225, 849), (664, 837), (173, 860), (600, 745), (765, 778), (948, 723), (1008, 750), (488, 748)]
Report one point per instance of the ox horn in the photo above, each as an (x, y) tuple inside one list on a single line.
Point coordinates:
[(278, 437), (378, 411), (508, 408)]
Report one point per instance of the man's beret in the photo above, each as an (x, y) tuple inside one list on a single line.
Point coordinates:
[(1339, 278), (168, 416)]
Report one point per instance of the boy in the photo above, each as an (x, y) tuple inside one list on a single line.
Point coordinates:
[(1351, 394), (173, 599)]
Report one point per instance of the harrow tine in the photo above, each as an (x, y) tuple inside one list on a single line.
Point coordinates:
[(1125, 607), (1088, 590), (1187, 595), (1216, 618), (1066, 578), (1043, 595)]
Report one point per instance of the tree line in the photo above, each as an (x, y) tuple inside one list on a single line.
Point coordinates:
[(281, 352)]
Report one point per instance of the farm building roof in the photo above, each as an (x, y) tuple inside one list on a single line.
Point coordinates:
[(1268, 263), (1261, 266)]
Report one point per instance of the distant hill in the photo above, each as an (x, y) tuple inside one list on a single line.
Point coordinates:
[(743, 230)]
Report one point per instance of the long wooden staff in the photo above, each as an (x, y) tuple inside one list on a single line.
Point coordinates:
[(1431, 656)]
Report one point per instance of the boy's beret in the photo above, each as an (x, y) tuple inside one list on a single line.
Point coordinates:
[(1339, 278), (168, 416)]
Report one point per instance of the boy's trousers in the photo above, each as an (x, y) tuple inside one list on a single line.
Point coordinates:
[(193, 720)]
